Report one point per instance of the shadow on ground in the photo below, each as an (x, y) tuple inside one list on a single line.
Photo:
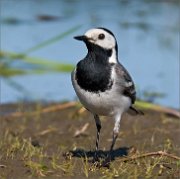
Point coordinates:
[(81, 153)]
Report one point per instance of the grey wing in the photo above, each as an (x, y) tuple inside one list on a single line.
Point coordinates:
[(125, 81)]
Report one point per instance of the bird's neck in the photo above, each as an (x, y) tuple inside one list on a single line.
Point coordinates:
[(108, 55), (114, 57)]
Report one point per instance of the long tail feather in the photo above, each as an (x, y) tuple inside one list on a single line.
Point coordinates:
[(134, 111)]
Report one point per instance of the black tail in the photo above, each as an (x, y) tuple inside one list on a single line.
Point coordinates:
[(134, 111)]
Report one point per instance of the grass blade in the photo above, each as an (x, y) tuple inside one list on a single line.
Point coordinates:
[(53, 40), (34, 65)]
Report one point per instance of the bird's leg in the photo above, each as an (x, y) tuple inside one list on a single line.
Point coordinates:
[(115, 135), (107, 161), (98, 126)]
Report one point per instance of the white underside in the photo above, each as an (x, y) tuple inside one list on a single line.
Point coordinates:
[(108, 103)]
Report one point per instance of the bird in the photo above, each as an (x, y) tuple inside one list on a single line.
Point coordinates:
[(102, 83)]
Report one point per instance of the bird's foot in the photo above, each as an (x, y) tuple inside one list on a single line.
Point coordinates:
[(95, 159), (98, 163), (106, 163), (95, 163)]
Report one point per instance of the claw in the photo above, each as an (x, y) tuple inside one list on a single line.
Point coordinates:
[(95, 158), (106, 163)]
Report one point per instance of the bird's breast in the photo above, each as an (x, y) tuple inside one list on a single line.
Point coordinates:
[(93, 76), (105, 103)]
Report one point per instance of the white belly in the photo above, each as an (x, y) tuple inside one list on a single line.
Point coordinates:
[(107, 103)]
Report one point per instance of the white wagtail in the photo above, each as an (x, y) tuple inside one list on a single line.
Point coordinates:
[(101, 83)]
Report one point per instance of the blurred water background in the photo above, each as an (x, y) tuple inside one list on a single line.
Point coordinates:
[(147, 33)]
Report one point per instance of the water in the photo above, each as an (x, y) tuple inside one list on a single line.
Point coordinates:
[(147, 35)]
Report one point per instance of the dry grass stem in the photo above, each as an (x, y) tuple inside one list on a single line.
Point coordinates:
[(150, 154)]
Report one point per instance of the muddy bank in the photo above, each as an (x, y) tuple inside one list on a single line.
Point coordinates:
[(45, 140)]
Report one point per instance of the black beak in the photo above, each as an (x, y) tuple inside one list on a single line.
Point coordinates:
[(82, 38)]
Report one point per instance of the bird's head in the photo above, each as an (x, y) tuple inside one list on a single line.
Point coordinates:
[(101, 37)]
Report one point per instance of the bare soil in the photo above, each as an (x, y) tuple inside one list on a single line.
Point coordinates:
[(47, 144)]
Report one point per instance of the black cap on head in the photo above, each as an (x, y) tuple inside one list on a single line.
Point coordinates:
[(107, 30)]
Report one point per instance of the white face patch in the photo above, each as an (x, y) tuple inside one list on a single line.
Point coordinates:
[(113, 58), (108, 42)]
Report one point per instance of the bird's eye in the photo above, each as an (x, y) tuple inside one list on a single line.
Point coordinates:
[(101, 36)]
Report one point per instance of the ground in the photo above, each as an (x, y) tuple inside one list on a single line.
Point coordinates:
[(58, 141)]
